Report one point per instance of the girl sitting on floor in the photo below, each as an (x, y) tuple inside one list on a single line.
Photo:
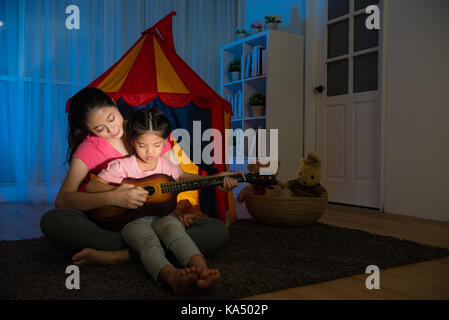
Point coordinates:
[(147, 132)]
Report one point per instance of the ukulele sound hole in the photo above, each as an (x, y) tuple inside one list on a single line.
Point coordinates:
[(150, 190)]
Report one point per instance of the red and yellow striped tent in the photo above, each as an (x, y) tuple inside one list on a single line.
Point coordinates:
[(151, 74)]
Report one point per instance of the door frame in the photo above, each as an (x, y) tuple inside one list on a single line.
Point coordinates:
[(315, 13)]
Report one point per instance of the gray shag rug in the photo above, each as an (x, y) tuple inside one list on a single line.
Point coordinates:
[(256, 259)]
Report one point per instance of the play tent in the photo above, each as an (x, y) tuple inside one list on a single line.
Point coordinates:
[(150, 74)]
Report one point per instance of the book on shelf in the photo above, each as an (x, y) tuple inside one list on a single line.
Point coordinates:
[(263, 63), (236, 101), (255, 62), (260, 60), (248, 66)]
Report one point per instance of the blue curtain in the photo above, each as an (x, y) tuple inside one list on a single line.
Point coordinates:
[(42, 64)]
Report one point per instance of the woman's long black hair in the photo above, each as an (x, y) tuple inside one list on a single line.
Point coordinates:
[(80, 106), (147, 120)]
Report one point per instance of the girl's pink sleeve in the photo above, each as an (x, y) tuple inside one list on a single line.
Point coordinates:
[(175, 173), (172, 170), (114, 173)]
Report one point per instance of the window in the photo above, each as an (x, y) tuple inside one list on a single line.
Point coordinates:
[(352, 49)]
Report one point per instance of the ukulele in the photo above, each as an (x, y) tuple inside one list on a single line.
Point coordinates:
[(162, 196)]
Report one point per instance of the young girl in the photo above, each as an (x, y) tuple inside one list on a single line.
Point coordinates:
[(147, 132)]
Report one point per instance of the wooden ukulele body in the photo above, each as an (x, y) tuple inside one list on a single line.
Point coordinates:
[(158, 203)]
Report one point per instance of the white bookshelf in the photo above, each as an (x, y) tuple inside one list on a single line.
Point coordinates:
[(282, 83)]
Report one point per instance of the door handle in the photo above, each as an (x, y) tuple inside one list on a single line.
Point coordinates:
[(319, 89)]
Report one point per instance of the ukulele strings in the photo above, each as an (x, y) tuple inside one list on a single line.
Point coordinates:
[(197, 183)]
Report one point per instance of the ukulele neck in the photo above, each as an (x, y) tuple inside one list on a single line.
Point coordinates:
[(194, 184)]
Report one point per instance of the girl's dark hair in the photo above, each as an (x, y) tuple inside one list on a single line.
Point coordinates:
[(147, 120), (80, 106)]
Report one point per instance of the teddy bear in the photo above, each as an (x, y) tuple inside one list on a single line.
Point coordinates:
[(307, 182)]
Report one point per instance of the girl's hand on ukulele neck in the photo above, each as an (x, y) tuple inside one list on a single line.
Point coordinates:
[(228, 183), (128, 196)]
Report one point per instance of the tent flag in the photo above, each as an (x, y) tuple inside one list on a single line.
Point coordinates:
[(151, 75), (164, 26)]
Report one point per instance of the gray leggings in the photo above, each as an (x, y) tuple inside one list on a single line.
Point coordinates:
[(71, 230), (146, 234)]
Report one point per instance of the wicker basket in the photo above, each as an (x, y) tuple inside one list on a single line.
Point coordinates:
[(294, 211)]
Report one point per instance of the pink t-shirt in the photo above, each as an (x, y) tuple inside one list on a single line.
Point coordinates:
[(120, 169), (96, 153)]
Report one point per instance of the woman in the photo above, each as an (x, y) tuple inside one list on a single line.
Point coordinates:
[(96, 137)]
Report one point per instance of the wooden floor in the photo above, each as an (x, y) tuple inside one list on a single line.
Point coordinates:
[(427, 280)]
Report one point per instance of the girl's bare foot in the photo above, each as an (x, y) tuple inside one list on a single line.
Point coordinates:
[(92, 256), (209, 279), (182, 281)]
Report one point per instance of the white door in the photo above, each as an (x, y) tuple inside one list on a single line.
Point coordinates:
[(348, 105)]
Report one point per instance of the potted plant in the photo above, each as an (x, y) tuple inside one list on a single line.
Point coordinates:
[(241, 33), (234, 70), (271, 22), (257, 103), (256, 27)]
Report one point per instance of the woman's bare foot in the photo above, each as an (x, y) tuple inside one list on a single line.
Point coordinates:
[(209, 279), (182, 281), (92, 256)]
